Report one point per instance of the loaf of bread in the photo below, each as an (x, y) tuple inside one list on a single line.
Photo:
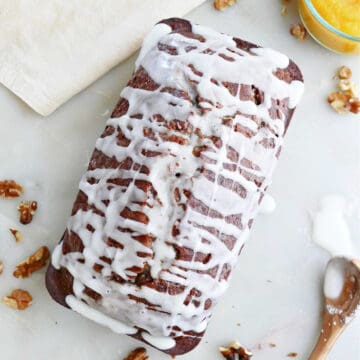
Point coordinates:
[(174, 184)]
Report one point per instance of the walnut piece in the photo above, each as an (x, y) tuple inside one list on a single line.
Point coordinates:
[(344, 73), (17, 235), (18, 299), (1, 267), (27, 210), (235, 351), (299, 31), (10, 189), (223, 4), (33, 263), (348, 87), (346, 99), (353, 105), (138, 354)]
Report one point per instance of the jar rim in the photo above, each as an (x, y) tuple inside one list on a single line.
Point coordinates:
[(330, 27)]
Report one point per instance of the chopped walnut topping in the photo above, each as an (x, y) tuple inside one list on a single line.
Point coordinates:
[(235, 352), (33, 263), (17, 234), (138, 354), (298, 31), (27, 210), (283, 10), (10, 189), (19, 299), (1, 267), (344, 73), (223, 4)]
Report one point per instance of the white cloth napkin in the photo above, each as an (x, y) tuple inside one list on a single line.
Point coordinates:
[(52, 49)]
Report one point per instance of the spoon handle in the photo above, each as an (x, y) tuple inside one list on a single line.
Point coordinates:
[(332, 327)]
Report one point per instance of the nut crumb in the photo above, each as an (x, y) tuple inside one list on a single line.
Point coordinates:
[(292, 355), (1, 267), (138, 354), (27, 210), (33, 263), (298, 31), (221, 5), (344, 73), (283, 10), (18, 299), (272, 345), (10, 189), (235, 351), (17, 235)]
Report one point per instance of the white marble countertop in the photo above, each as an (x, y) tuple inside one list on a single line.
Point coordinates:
[(275, 295)]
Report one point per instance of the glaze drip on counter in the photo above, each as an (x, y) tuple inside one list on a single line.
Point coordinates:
[(175, 182)]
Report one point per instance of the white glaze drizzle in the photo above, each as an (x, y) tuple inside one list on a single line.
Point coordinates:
[(169, 70), (268, 205)]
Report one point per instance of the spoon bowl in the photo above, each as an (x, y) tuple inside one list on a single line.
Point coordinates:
[(342, 278)]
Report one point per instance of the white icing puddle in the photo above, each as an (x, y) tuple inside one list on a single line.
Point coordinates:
[(334, 278), (330, 229)]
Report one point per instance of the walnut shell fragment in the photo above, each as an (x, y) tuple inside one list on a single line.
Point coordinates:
[(18, 299), (33, 263)]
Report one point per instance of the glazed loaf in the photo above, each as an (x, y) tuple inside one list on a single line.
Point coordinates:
[(174, 184)]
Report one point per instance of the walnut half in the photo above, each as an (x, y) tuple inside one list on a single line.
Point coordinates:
[(18, 299), (10, 189), (138, 354), (33, 263), (235, 351)]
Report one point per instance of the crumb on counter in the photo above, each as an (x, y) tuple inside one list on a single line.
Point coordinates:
[(292, 355)]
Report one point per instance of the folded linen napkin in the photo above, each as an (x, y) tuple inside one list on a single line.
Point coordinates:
[(52, 49)]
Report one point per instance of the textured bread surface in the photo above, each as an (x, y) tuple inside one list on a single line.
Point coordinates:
[(174, 184)]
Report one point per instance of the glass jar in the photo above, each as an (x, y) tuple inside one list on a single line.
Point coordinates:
[(326, 34)]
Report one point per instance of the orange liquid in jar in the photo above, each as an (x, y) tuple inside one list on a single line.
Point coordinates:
[(339, 28)]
